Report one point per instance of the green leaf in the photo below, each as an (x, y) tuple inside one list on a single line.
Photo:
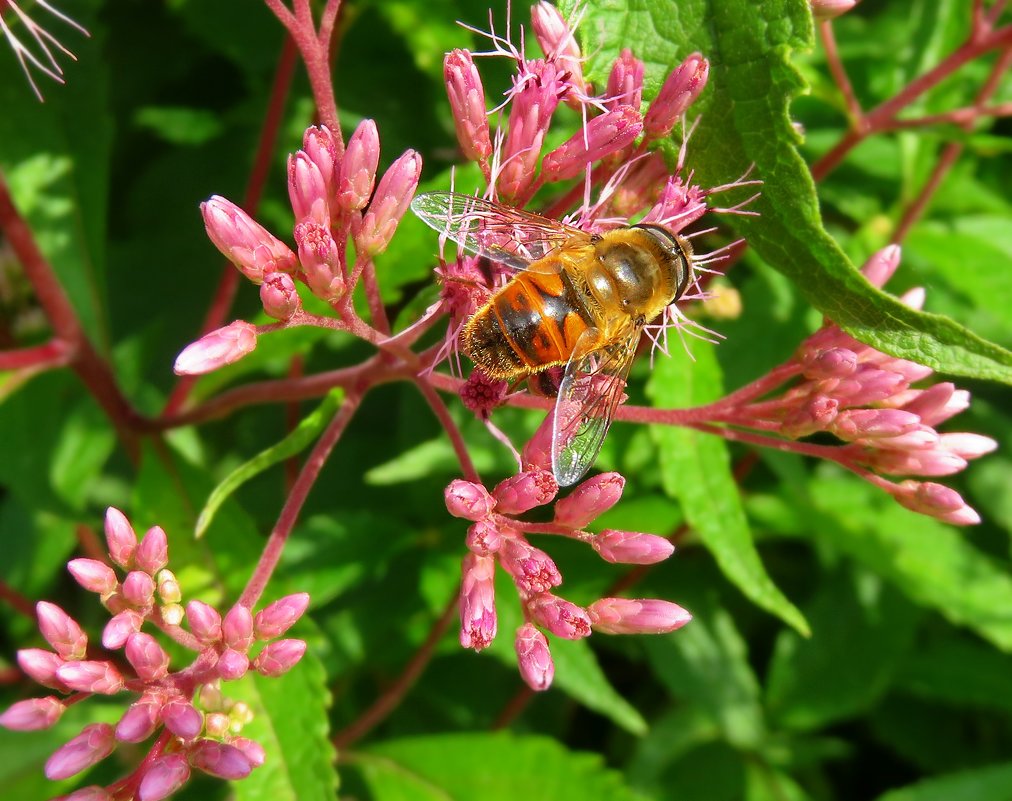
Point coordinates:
[(706, 663), (490, 767), (303, 434), (290, 722), (180, 125), (818, 681), (745, 120), (696, 469), (932, 563), (993, 783), (959, 671)]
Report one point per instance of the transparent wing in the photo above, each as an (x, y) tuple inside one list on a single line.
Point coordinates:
[(591, 390), (509, 236)]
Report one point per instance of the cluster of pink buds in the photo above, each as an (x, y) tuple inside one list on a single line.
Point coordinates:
[(497, 536), (606, 174), (335, 200), (867, 399), (193, 725)]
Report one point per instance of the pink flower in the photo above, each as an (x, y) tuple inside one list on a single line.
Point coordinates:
[(237, 627), (625, 83), (279, 296), (140, 720), (92, 745), (358, 167), (93, 575), (589, 500), (468, 500), (91, 676), (561, 617), (307, 190), (32, 714), (679, 91), (481, 394), (524, 491), (147, 657), (602, 136), (42, 666), (477, 602), (204, 620), (217, 349), (392, 198), (120, 627), (61, 631), (247, 244), (275, 619), (139, 589), (644, 616), (632, 547), (467, 102), (181, 718), (232, 664), (163, 777), (279, 657), (533, 658), (531, 568), (120, 538), (220, 759)]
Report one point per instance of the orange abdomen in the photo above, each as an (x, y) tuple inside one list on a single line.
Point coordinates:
[(530, 324)]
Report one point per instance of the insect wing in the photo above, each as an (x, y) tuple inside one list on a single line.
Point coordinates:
[(591, 390), (505, 235)]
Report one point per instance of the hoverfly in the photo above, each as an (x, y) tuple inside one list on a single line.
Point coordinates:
[(577, 299)]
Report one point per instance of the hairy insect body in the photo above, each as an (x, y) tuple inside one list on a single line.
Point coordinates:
[(611, 283)]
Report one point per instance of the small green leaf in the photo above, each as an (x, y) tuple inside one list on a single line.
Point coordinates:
[(993, 783), (290, 722), (696, 469), (959, 671), (490, 767), (180, 125), (305, 432)]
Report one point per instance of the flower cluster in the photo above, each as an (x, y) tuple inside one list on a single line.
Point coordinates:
[(196, 725), (866, 399), (497, 536), (336, 201)]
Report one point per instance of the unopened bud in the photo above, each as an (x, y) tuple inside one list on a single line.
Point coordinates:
[(625, 83), (468, 500), (319, 146), (92, 745), (91, 676), (483, 538), (120, 537), (561, 617), (252, 749), (831, 363), (524, 491), (139, 589), (276, 618), (232, 664), (589, 500), (167, 587), (32, 714), (219, 348), (828, 9), (279, 296), (477, 602), (120, 627), (279, 657), (140, 720), (61, 631), (679, 91), (643, 616), (467, 102), (881, 266), (936, 500), (220, 759), (237, 628), (533, 658), (358, 167), (205, 622), (216, 724), (93, 575), (244, 242), (602, 136), (41, 666), (307, 190), (532, 569), (163, 776), (392, 198), (182, 719), (147, 657), (631, 547)]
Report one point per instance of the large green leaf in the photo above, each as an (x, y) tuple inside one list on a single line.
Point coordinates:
[(490, 767), (696, 469), (993, 783), (746, 120)]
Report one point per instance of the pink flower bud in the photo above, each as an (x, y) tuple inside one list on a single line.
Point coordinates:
[(467, 102), (852, 424), (182, 719), (319, 146), (532, 569), (307, 190), (936, 500), (279, 296), (534, 102), (276, 618), (321, 265), (815, 415), (153, 552), (968, 446), (881, 266), (921, 438), (561, 617), (477, 602), (483, 538), (392, 198), (828, 9), (163, 776), (61, 631), (533, 658), (140, 720), (600, 137), (468, 500), (679, 91), (139, 589), (205, 622), (358, 168), (643, 616), (558, 41), (91, 676), (589, 500), (247, 244), (537, 453), (481, 394), (167, 587), (120, 627), (625, 83), (831, 363), (93, 575), (232, 664), (90, 793), (120, 537), (41, 667), (252, 749), (92, 745), (279, 657), (217, 349), (934, 462), (237, 628), (631, 547), (524, 491), (32, 714), (937, 403), (220, 759), (147, 657)]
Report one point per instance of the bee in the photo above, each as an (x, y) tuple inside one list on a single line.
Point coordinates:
[(577, 299)]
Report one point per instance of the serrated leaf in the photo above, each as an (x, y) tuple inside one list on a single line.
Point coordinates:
[(490, 767), (303, 434), (993, 783), (696, 470), (290, 722), (745, 120)]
